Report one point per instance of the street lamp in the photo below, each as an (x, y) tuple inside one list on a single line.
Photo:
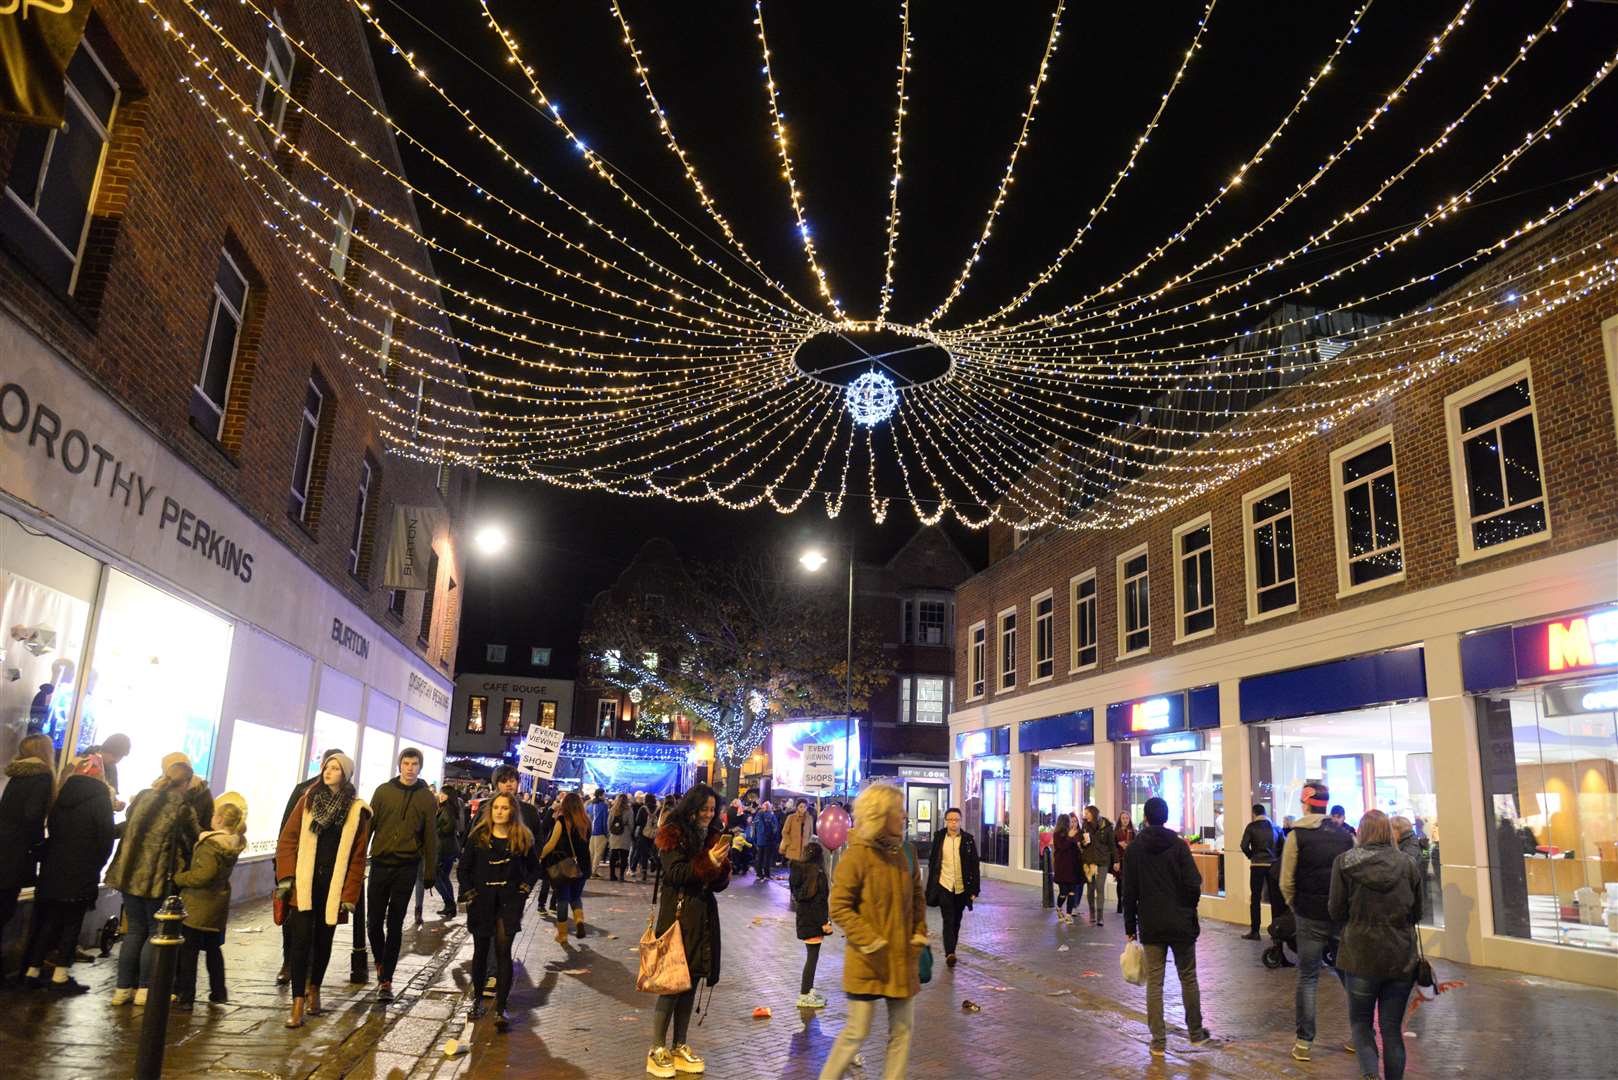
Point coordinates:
[(813, 560), (491, 540)]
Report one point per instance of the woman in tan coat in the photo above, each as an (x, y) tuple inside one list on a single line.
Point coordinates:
[(877, 900)]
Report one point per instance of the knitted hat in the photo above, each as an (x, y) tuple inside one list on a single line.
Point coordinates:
[(1316, 795), (344, 762), (90, 765)]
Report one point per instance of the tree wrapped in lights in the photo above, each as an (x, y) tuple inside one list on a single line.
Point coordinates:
[(736, 645)]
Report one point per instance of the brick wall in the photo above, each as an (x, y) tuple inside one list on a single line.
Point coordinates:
[(169, 200), (1579, 465)]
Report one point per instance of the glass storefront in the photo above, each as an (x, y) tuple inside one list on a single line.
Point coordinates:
[(376, 766), (337, 718), (985, 757), (1550, 776), (262, 758), (1061, 781), (1184, 769), (1377, 758)]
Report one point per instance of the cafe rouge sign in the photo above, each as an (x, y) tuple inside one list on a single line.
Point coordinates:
[(1584, 642)]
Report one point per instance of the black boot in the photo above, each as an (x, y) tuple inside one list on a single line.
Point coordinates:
[(478, 1008)]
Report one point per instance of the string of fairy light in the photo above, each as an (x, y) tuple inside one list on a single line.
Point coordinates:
[(652, 352)]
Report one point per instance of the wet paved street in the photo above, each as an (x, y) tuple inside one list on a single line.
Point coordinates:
[(1045, 1010)]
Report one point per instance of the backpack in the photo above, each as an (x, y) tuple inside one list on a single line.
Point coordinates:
[(616, 826)]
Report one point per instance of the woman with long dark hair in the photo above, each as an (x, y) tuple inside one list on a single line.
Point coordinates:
[(696, 866), (620, 838), (81, 836), (498, 867), (566, 858), (30, 783), (641, 854), (1065, 866)]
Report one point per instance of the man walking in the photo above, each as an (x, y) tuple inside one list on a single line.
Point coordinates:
[(1306, 863), (404, 847), (1260, 842), (599, 812), (952, 878), (1161, 891)]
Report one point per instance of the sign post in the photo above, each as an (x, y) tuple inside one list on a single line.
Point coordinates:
[(819, 773), (539, 752)]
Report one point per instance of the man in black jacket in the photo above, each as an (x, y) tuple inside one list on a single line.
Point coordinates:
[(952, 878), (1260, 843), (1306, 864), (1161, 890)]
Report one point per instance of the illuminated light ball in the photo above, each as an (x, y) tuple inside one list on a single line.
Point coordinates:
[(832, 828), (871, 398), (491, 540)]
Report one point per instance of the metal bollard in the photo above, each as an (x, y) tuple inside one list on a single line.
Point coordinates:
[(1047, 876), (155, 1021), (359, 967)]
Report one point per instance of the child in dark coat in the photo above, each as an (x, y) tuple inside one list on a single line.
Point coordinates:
[(812, 891), (205, 891)]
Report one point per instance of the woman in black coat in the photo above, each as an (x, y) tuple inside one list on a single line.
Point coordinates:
[(81, 833), (23, 806), (696, 865), (1065, 866), (498, 867)]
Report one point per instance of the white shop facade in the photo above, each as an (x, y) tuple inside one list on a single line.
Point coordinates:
[(136, 597)]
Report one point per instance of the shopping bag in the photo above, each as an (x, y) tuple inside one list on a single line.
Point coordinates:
[(925, 964), (663, 967), (1133, 964)]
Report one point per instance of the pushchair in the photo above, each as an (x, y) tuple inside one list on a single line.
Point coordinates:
[(1283, 936)]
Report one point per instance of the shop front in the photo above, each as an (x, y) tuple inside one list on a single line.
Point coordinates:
[(985, 760), (1546, 700), (138, 599), (1169, 746), (1061, 760)]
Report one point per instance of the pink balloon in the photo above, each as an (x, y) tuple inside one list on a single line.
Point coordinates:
[(832, 828)]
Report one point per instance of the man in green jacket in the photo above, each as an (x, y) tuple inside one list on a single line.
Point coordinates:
[(404, 843)]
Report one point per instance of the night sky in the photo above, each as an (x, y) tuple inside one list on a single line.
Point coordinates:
[(835, 67)]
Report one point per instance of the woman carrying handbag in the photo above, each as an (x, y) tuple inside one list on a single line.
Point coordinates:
[(566, 858), (696, 865)]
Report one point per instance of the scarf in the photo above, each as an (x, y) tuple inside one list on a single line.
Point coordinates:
[(327, 807)]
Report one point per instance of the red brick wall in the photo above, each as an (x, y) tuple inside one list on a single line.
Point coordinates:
[(1579, 466), (169, 200)]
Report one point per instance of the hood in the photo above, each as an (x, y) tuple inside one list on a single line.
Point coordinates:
[(78, 790), (28, 766), (1379, 866), (419, 784), (1310, 821), (1157, 839), (228, 842)]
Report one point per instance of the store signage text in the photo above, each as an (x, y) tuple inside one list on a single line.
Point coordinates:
[(88, 461), (517, 687), (1153, 714), (1600, 701), (350, 639), (1186, 742), (420, 687), (1587, 641)]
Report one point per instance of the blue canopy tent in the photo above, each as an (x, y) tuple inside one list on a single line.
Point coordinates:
[(661, 768)]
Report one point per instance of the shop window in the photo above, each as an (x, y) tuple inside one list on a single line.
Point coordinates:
[(54, 173), (427, 600), (1082, 621), (1370, 548), (494, 654), (337, 712), (301, 502), (360, 541), (1044, 638), (1194, 584), (477, 714), (1190, 778), (1550, 775), (261, 759), (1272, 571), (1495, 465), (1061, 781), (923, 699), (511, 717), (1008, 650), (606, 717), (547, 714), (1134, 604), (1378, 758), (377, 765), (975, 659), (275, 88), (213, 387), (986, 805)]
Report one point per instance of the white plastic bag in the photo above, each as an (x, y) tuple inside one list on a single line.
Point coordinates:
[(1133, 964)]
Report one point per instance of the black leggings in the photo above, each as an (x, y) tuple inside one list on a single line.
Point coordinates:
[(810, 960), (501, 940), (210, 943), (618, 863), (311, 947), (1065, 897), (678, 1007), (54, 929)]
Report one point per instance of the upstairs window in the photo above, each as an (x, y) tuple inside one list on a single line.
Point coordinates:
[(1082, 621), (1495, 462), (606, 717), (923, 699), (511, 717), (359, 543), (276, 85), (303, 468), (1008, 649), (932, 622), (611, 661), (225, 314), (45, 211), (477, 714), (342, 238), (1134, 604), (396, 603), (1021, 533), (976, 659), (1272, 571), (427, 601), (1044, 658), (494, 654), (1369, 547), (384, 349), (1194, 584)]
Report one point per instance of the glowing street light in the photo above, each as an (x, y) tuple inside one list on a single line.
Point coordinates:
[(812, 560), (491, 540)]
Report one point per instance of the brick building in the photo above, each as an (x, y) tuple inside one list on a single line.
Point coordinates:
[(1416, 601), (195, 496)]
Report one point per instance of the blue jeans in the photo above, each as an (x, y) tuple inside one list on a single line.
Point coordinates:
[(1367, 995), (135, 953), (1313, 937), (570, 894)]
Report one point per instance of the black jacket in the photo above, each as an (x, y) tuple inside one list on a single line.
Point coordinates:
[(497, 881), (23, 807), (1261, 842), (690, 880), (812, 891), (1376, 890), (971, 883), (1096, 847), (1161, 888), (1313, 846), (298, 792), (81, 839)]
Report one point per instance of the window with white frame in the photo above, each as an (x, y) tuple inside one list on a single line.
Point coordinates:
[(55, 171), (494, 654), (1008, 649), (976, 657), (275, 88), (1082, 621), (606, 717), (1044, 641), (303, 467), (932, 622), (1021, 533), (923, 699), (219, 353), (342, 238), (612, 660), (1134, 604), (1272, 570), (384, 351), (358, 541), (1370, 550), (1194, 584), (907, 617), (1495, 461)]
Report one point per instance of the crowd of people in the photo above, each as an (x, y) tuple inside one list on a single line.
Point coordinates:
[(1341, 896)]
